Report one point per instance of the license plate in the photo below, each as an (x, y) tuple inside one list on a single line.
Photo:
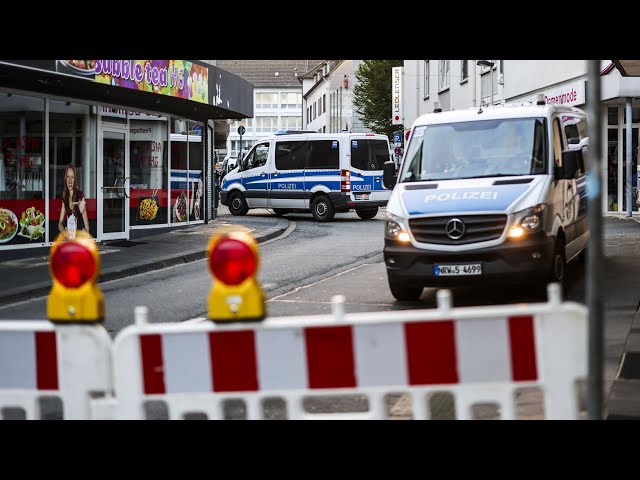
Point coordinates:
[(450, 270), (361, 196)]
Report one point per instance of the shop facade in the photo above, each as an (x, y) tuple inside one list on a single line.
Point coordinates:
[(141, 135)]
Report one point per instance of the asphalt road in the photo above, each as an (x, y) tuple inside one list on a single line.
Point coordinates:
[(300, 272)]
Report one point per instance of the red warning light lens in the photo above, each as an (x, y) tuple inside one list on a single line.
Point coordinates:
[(72, 264), (232, 261)]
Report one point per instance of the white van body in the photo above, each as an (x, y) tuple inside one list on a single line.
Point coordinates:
[(323, 173), (471, 205)]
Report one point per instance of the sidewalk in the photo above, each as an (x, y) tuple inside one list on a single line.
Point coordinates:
[(25, 274)]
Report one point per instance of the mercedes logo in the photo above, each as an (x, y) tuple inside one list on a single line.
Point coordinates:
[(454, 229)]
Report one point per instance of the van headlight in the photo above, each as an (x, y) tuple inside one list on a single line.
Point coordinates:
[(394, 228), (527, 221)]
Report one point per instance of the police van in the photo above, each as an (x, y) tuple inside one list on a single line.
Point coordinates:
[(489, 193), (323, 173)]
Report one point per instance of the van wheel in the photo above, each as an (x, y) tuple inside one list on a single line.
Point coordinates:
[(237, 204), (322, 209), (558, 263), (367, 213), (280, 211), (403, 292)]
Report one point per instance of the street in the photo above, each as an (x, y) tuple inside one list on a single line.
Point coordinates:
[(299, 272)]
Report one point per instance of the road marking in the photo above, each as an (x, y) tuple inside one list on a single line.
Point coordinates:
[(319, 281)]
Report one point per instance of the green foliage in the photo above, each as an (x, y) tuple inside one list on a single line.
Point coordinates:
[(372, 95)]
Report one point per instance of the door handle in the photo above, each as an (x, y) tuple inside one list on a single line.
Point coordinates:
[(263, 174)]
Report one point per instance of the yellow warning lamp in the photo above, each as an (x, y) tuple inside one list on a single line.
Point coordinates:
[(74, 266), (233, 261)]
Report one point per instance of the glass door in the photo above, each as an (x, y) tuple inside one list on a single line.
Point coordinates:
[(113, 194)]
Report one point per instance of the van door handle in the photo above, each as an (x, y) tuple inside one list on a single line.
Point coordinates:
[(275, 174), (263, 174)]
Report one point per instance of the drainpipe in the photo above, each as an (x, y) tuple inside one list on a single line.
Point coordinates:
[(629, 157), (473, 83)]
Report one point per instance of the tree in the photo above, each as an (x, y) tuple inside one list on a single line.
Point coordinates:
[(372, 95)]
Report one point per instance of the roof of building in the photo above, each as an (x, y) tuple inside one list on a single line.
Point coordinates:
[(262, 73)]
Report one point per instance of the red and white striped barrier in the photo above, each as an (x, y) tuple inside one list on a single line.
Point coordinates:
[(479, 354), (40, 360)]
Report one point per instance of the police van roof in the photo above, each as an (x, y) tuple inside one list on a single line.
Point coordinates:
[(494, 112)]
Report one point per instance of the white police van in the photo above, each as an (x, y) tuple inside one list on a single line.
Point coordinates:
[(321, 172), (495, 193)]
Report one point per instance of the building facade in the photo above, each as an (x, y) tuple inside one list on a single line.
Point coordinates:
[(456, 84), (277, 100), (140, 134), (327, 90)]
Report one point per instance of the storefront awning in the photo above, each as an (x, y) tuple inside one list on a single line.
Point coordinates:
[(628, 68), (227, 96)]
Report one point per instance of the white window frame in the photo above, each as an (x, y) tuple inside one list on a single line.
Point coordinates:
[(426, 80), (444, 74), (464, 63)]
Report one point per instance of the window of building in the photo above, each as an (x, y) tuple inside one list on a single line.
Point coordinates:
[(148, 158), (426, 79), (612, 115), (22, 175), (443, 75), (266, 100), (324, 102), (247, 123), (266, 124), (291, 123), (291, 155), (187, 156), (291, 100), (464, 70)]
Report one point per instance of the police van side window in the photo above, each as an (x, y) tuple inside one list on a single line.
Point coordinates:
[(291, 155), (369, 154), (557, 143), (261, 155), (324, 154)]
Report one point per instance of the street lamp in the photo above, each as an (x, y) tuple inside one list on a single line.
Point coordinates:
[(487, 63)]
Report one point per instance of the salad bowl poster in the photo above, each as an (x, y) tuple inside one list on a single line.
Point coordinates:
[(176, 78), (22, 222)]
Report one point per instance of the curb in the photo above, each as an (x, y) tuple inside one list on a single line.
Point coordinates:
[(43, 288)]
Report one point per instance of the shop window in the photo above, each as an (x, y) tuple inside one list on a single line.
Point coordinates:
[(186, 187), (22, 175), (72, 140), (148, 171)]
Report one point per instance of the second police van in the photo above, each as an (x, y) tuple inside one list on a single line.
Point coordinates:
[(323, 173), (495, 193)]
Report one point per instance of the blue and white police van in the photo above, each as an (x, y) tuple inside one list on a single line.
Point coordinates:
[(323, 173), (489, 193)]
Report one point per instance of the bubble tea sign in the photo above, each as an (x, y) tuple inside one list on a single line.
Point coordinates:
[(175, 78)]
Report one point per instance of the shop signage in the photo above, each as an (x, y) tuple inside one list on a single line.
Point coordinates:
[(175, 78), (568, 95), (396, 90)]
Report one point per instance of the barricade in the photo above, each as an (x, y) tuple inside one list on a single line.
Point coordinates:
[(50, 371), (471, 357)]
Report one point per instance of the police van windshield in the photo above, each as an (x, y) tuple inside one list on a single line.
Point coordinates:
[(486, 148)]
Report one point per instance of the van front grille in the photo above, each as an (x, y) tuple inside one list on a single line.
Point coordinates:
[(477, 228)]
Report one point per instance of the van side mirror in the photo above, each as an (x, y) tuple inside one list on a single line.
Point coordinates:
[(389, 176), (569, 167)]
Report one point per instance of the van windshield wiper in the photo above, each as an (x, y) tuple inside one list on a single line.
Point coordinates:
[(494, 175)]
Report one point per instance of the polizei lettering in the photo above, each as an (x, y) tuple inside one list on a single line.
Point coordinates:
[(443, 197), (355, 186), (287, 186)]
